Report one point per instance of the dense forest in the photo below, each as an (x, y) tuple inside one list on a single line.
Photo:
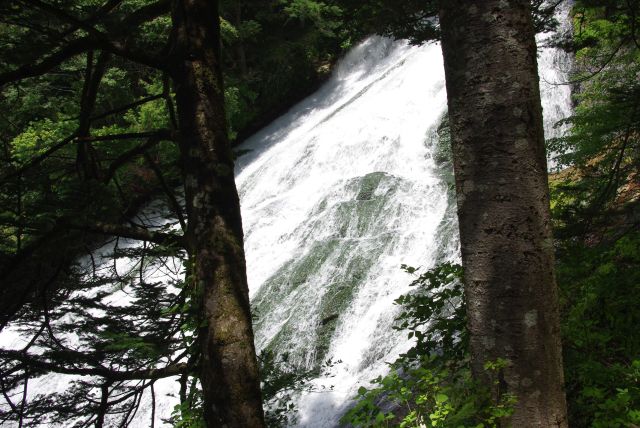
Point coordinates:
[(121, 238)]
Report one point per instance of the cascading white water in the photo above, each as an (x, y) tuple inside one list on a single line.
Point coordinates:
[(336, 195), (554, 66)]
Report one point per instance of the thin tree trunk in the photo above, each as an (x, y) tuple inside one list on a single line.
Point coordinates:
[(239, 45), (228, 371), (86, 154), (503, 203)]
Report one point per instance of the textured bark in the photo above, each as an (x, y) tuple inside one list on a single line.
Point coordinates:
[(503, 203), (228, 367)]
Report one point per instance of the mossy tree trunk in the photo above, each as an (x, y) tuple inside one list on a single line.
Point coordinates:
[(228, 367), (503, 203)]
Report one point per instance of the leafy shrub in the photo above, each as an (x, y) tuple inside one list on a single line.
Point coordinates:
[(431, 385), (600, 294)]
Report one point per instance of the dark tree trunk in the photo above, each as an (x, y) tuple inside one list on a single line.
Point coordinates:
[(229, 371), (503, 203)]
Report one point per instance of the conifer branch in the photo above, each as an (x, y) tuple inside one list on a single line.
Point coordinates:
[(48, 63), (95, 40), (41, 157), (131, 232), (161, 134), (41, 363)]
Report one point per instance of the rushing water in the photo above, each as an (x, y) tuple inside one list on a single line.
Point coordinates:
[(336, 195), (554, 66)]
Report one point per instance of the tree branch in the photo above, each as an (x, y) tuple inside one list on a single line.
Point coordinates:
[(161, 134), (172, 198), (128, 155), (35, 161), (86, 157), (65, 17), (126, 107), (95, 40), (74, 48), (131, 232), (112, 375)]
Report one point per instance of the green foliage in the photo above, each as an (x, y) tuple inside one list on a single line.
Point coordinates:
[(275, 53), (435, 316), (38, 137), (325, 17), (431, 384), (188, 413), (238, 105), (602, 144), (148, 116), (595, 203), (65, 274), (599, 289), (280, 381), (228, 33), (413, 19), (53, 204)]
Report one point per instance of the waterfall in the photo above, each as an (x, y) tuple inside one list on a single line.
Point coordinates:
[(554, 66), (336, 194)]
